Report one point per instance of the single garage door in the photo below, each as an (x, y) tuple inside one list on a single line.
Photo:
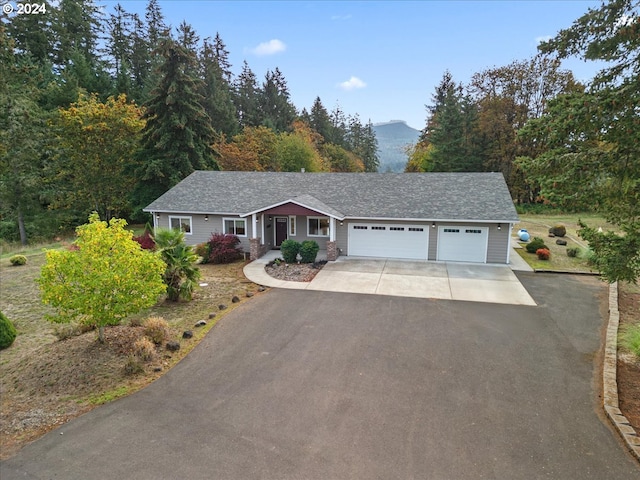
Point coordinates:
[(388, 240), (463, 244)]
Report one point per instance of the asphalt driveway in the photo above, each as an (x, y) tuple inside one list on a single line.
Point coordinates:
[(321, 385)]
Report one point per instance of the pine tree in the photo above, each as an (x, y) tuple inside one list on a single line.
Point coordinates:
[(178, 136)]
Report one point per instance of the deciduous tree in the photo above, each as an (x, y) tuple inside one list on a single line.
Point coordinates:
[(97, 142), (105, 279)]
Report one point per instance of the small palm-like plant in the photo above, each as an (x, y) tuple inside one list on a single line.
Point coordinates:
[(181, 273)]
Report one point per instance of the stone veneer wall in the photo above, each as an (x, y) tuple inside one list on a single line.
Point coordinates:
[(256, 250), (332, 251)]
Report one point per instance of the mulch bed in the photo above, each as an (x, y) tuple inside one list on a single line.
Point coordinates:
[(294, 272)]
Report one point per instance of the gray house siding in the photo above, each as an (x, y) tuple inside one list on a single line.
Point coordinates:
[(498, 243), (201, 230)]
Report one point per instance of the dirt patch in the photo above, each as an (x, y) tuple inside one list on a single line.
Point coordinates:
[(628, 374), (44, 382), (294, 272)]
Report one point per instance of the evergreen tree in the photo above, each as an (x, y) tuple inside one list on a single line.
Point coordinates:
[(217, 93), (178, 136), (22, 139), (320, 120), (276, 109), (450, 129), (246, 98)]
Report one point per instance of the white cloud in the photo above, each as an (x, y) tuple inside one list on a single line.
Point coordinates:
[(352, 84), (340, 17), (269, 48), (544, 38)]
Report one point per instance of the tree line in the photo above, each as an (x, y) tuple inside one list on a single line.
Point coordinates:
[(106, 112), (474, 127)]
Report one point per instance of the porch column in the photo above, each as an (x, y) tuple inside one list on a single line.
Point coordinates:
[(262, 227), (254, 221), (332, 229)]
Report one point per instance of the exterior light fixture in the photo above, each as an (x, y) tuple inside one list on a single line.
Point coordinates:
[(499, 226), (433, 225), (206, 218)]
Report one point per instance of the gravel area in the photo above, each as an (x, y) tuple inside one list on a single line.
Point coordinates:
[(294, 272)]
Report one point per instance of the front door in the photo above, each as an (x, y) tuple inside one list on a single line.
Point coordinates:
[(281, 230)]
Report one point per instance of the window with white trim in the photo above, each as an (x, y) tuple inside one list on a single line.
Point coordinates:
[(235, 226), (180, 223), (292, 225), (318, 226)]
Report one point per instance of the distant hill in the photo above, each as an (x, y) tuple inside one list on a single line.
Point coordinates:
[(393, 137)]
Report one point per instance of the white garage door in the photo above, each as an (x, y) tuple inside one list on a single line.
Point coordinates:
[(388, 240), (463, 244)]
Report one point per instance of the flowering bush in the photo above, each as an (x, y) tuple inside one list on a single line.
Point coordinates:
[(223, 248), (543, 254)]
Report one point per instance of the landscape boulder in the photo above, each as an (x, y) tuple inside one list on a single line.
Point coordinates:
[(201, 323), (235, 299), (561, 242), (187, 334), (173, 346)]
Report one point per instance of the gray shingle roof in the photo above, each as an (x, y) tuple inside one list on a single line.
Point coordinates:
[(430, 196)]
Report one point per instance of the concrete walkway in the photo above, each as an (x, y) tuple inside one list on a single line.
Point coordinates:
[(408, 278)]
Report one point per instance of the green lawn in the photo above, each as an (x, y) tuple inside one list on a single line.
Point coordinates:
[(538, 226)]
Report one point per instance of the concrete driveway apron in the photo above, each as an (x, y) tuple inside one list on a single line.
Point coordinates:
[(409, 278)]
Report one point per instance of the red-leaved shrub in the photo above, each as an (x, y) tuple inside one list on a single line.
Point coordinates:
[(145, 241), (223, 248), (543, 253)]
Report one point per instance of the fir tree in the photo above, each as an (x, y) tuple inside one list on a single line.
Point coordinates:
[(178, 136)]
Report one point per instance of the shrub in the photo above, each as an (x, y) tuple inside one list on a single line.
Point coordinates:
[(144, 349), (133, 366), (573, 252), (543, 253), (535, 244), (17, 260), (290, 249), (309, 251), (157, 329), (146, 241), (558, 230), (223, 248), (203, 251), (630, 338), (8, 332)]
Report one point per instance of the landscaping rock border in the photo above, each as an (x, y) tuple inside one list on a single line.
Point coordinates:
[(609, 380)]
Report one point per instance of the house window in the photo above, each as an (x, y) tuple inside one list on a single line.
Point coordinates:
[(292, 225), (378, 228), (235, 226), (359, 227), (397, 229), (318, 226), (416, 229), (473, 231), (181, 223), (451, 230)]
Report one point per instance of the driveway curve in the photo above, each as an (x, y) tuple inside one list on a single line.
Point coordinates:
[(318, 385)]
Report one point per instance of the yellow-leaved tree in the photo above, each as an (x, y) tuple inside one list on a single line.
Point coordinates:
[(103, 279)]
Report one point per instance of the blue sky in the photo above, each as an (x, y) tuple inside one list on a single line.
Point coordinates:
[(379, 59)]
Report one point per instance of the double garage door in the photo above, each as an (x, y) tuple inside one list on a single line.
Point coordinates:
[(388, 240), (455, 243)]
